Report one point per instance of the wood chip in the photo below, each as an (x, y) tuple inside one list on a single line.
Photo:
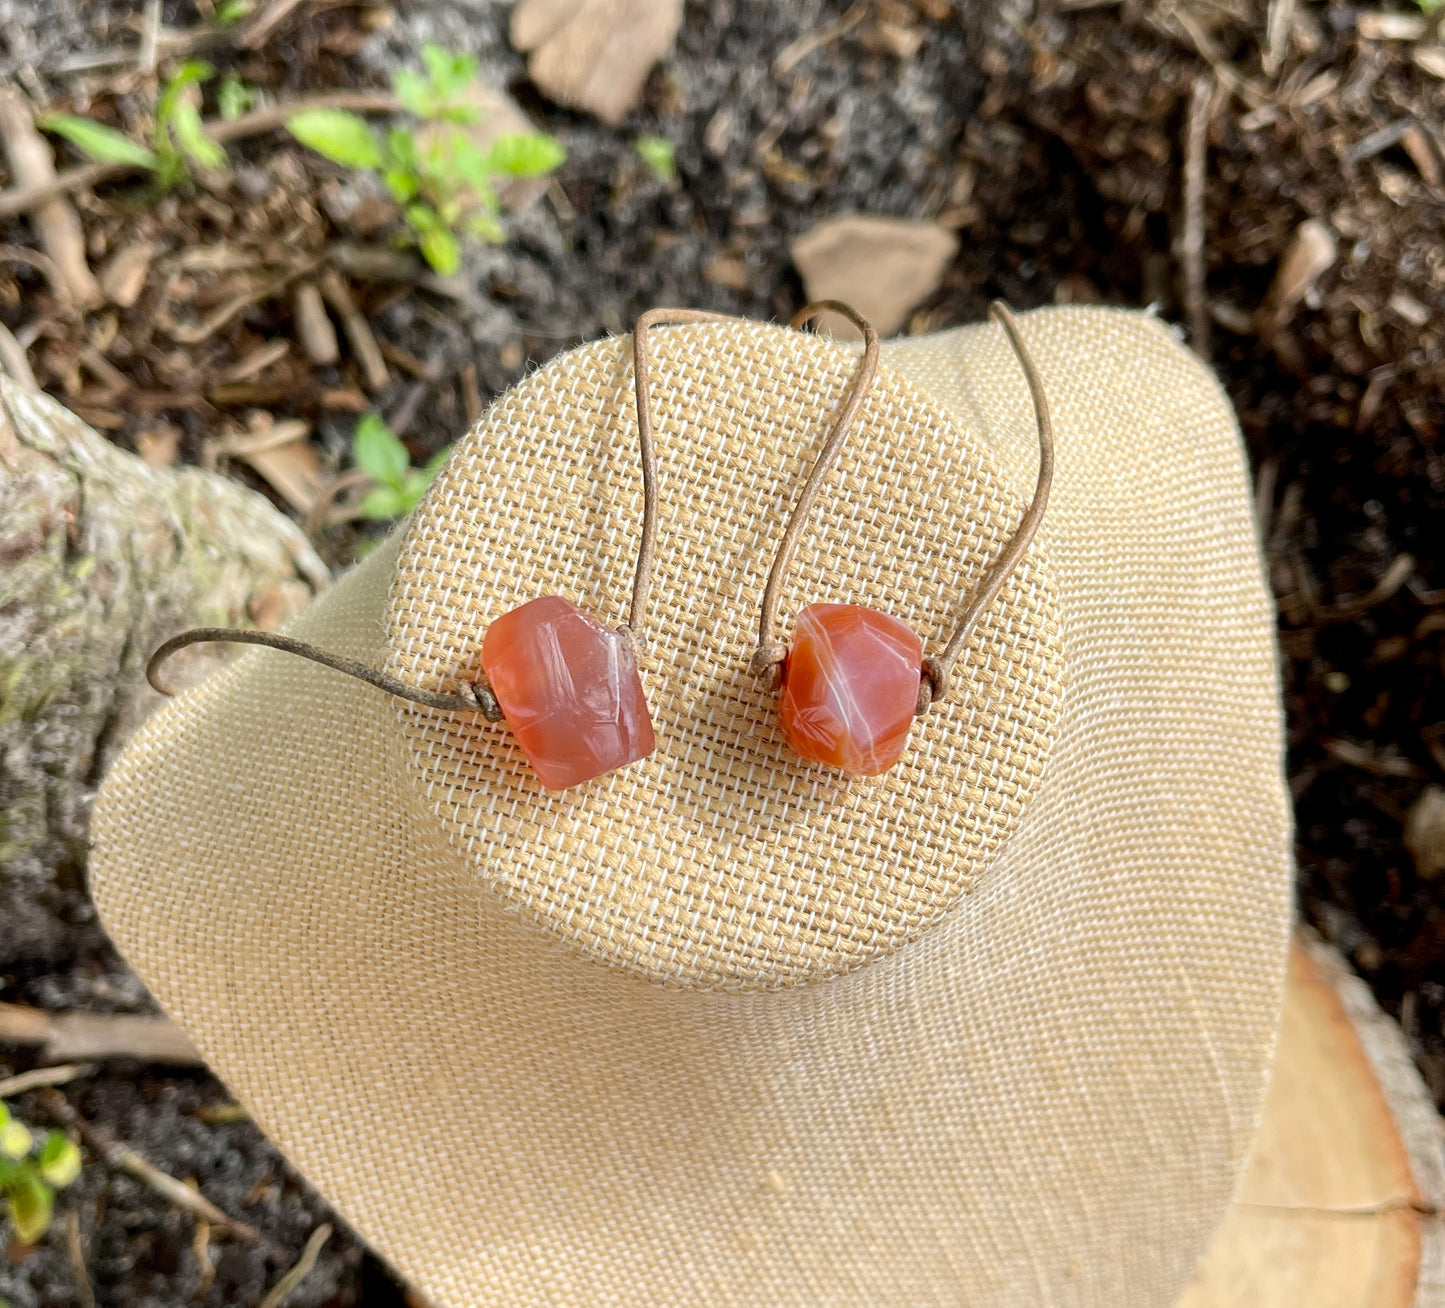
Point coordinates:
[(159, 445), (729, 270), (1409, 308), (1430, 59), (471, 394), (125, 272), (1392, 26), (256, 362), (313, 327), (58, 226), (882, 267), (345, 399), (896, 39), (1422, 154), (358, 330), (1425, 832), (15, 361), (1312, 251), (594, 54), (279, 452)]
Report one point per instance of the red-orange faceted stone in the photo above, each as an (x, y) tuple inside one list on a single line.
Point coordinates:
[(850, 687), (569, 689)]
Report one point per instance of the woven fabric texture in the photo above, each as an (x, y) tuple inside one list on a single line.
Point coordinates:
[(1043, 1098), (724, 860)]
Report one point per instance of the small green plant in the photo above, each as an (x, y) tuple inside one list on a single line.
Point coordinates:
[(232, 11), (444, 181), (399, 487), (234, 97), (32, 1169), (656, 153), (180, 138)]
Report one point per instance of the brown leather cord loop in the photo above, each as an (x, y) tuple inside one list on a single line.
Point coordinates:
[(471, 697), (636, 628), (938, 672), (477, 697), (770, 653)]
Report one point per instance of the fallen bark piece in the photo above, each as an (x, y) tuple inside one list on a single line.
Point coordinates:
[(882, 267), (76, 1037), (358, 330), (1312, 251), (56, 222), (104, 559), (124, 275), (1425, 832), (313, 327), (596, 54)]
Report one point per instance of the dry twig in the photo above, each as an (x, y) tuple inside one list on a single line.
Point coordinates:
[(56, 224), (14, 361), (125, 1159), (70, 1227), (40, 1077), (67, 1037), (277, 1295), (1196, 147), (795, 52), (150, 38), (357, 329), (259, 29)]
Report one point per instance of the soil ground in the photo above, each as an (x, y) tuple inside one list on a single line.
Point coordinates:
[(1052, 137)]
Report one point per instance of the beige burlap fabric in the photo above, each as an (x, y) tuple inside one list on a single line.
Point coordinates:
[(723, 1028)]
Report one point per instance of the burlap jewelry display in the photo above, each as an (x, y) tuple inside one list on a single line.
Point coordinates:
[(724, 1027)]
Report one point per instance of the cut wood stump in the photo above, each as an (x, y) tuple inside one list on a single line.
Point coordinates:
[(1342, 1204)]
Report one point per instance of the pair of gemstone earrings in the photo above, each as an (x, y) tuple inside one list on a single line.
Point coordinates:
[(851, 681)]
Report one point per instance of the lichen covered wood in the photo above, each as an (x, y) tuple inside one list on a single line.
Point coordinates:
[(101, 558)]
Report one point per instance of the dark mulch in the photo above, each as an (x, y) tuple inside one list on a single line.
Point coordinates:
[(1054, 144)]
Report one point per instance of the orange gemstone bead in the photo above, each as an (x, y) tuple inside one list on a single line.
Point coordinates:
[(568, 688), (850, 687)]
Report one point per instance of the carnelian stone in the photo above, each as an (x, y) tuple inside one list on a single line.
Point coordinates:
[(568, 688), (850, 687)]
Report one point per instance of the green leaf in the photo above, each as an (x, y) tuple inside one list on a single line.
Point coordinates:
[(31, 1204), (486, 226), (450, 73), (423, 218), (414, 488), (378, 453), (191, 137), (471, 166), (656, 153), (382, 502), (59, 1159), (440, 249), (401, 145), (401, 184), (526, 156), (232, 11), (103, 144), (15, 1140), (234, 97), (414, 92), (342, 137)]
